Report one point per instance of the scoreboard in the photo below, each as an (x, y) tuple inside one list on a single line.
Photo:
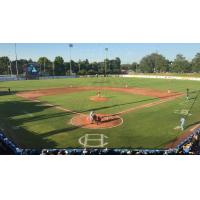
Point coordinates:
[(32, 71)]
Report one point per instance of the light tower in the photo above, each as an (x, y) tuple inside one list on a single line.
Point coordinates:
[(10, 68), (17, 73), (44, 65), (106, 52), (53, 66)]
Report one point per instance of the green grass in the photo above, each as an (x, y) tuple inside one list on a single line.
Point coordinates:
[(162, 84), (80, 101), (33, 125)]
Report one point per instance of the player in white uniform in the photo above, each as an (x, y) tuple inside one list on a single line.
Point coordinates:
[(182, 121), (91, 116)]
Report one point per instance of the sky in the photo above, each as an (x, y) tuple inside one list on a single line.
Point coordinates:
[(127, 52)]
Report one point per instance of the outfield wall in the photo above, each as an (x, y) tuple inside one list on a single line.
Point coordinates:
[(161, 77), (14, 77)]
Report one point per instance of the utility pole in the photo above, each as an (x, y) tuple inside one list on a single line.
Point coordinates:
[(44, 65), (17, 73), (53, 65), (106, 51), (10, 68), (79, 65), (70, 46)]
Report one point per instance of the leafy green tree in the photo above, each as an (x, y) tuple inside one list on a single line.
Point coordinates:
[(60, 68), (82, 72), (180, 64), (154, 63), (75, 67), (21, 63), (113, 66), (94, 67), (196, 63), (45, 65), (134, 66), (4, 63)]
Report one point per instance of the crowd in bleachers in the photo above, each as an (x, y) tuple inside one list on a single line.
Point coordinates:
[(190, 146), (7, 146)]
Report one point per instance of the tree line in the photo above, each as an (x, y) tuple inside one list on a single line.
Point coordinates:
[(157, 63), (153, 63), (59, 67)]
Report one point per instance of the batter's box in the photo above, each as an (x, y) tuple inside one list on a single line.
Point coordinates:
[(182, 112)]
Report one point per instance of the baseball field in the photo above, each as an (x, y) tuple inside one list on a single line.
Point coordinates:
[(134, 112)]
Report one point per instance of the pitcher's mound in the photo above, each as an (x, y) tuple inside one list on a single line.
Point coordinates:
[(107, 121), (98, 99)]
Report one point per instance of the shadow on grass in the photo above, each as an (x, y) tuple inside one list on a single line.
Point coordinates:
[(117, 105), (12, 120), (192, 124)]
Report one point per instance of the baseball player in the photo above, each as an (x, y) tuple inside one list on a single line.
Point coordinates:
[(98, 93), (91, 115), (182, 121)]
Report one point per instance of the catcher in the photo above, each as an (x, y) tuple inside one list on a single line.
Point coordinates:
[(97, 119)]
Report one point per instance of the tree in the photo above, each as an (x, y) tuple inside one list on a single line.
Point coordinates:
[(75, 67), (134, 66), (196, 63), (4, 63), (161, 63), (113, 66), (94, 67), (45, 65), (59, 66), (117, 67), (154, 63), (180, 64)]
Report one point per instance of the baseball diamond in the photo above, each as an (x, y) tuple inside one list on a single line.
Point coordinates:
[(143, 113)]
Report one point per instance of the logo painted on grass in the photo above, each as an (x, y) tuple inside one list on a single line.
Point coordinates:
[(93, 140), (182, 112)]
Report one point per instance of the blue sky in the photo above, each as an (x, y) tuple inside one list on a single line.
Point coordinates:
[(128, 53)]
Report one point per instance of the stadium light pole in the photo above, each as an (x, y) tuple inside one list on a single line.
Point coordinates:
[(16, 60), (70, 47), (10, 68), (53, 65), (44, 65), (106, 51), (79, 65)]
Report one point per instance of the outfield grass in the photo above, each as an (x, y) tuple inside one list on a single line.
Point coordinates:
[(33, 125), (161, 84)]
